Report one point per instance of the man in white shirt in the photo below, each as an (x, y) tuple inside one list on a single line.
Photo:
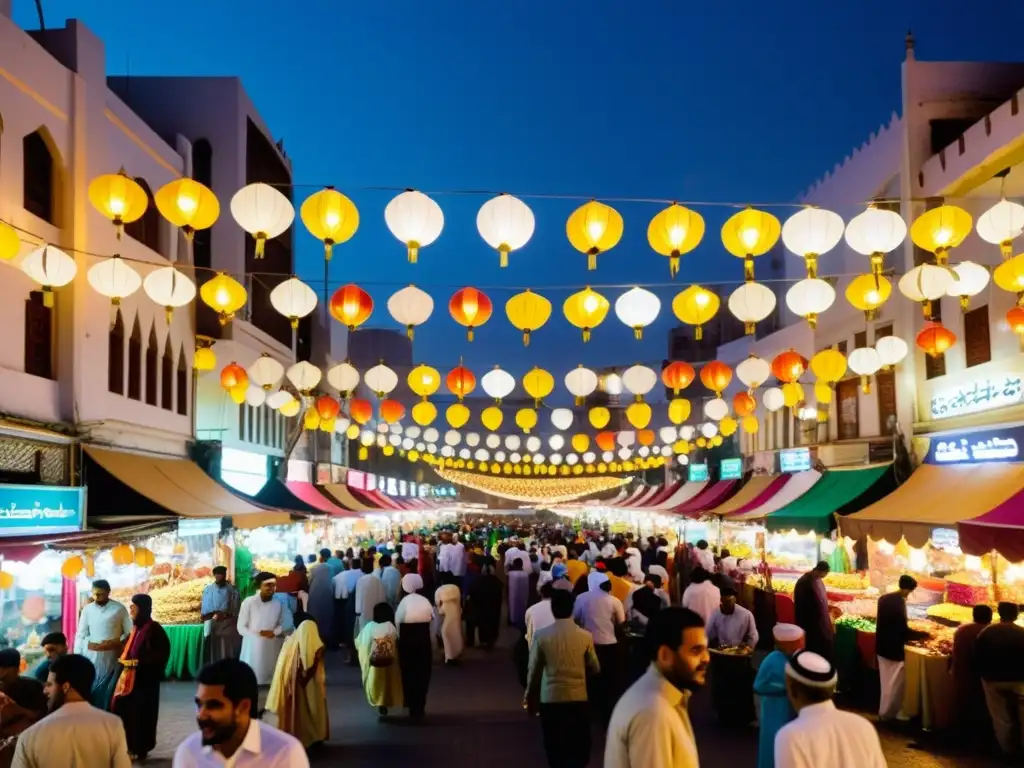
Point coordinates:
[(75, 732), (261, 625), (103, 626), (705, 557), (452, 561), (539, 615), (732, 624), (821, 734), (601, 614), (229, 733), (702, 596), (650, 725), (369, 591), (410, 548)]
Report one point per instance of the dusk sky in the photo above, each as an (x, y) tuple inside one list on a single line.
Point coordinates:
[(715, 101)]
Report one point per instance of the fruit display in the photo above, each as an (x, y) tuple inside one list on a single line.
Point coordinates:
[(951, 613), (785, 586), (939, 641), (276, 567), (847, 581), (739, 550), (179, 603), (864, 609), (967, 594), (857, 622)]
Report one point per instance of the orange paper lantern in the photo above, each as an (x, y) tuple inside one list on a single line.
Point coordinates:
[(677, 376), (645, 437), (327, 407), (935, 339), (1015, 319), (144, 558), (605, 441), (351, 306), (360, 410), (71, 567), (391, 411), (471, 308), (234, 377), (716, 376), (788, 366), (460, 381), (122, 554), (743, 403)]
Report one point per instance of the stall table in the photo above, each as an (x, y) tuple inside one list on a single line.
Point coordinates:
[(186, 650), (929, 693)]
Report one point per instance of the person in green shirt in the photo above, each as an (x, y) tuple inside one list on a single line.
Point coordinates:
[(55, 645)]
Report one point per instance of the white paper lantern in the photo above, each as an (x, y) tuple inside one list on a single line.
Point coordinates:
[(668, 434), (810, 297), (465, 453), (279, 399), (506, 224), (395, 429), (395, 440), (926, 282), (293, 299), (415, 220), (612, 384), (639, 379), (751, 303), (408, 444), (341, 424), (499, 455), (581, 382), (382, 428), (709, 430), (515, 458), (381, 379), (343, 377), (304, 376), (626, 439), (366, 437), (773, 399), (169, 288), (643, 451), (812, 232), (538, 458), (608, 456), (865, 362), (492, 441), (589, 457), (533, 444), (556, 442), (891, 350), (114, 278), (716, 409), (255, 396), (753, 372), (555, 459), (472, 439), (481, 454), (687, 432), (625, 453), (1001, 225), (410, 307), (452, 437), (637, 308), (431, 435), (447, 451), (512, 442), (263, 212), (51, 268), (498, 383), (431, 447), (682, 459), (421, 447), (666, 451), (876, 232), (266, 372), (572, 459), (973, 279), (562, 418), (413, 431)]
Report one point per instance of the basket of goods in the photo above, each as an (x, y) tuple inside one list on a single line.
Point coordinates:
[(939, 641), (966, 588), (950, 614), (856, 622), (842, 587), (179, 603), (861, 608), (276, 567)]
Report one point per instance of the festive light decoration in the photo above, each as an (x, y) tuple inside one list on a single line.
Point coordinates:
[(290, 408), (599, 417), (263, 212), (51, 268), (674, 232), (203, 359), (381, 379), (750, 424), (562, 419), (925, 283), (498, 384), (793, 394), (788, 366), (293, 299), (344, 378), (311, 420), (749, 234), (743, 403), (751, 303), (122, 554), (728, 424), (538, 384), (678, 410), (822, 392), (506, 224), (773, 399), (238, 394), (526, 419), (169, 288), (865, 362), (360, 410), (532, 490), (753, 372), (471, 308), (188, 205), (646, 437), (119, 198), (639, 380), (410, 307), (580, 382), (330, 217), (424, 413), (637, 308), (891, 351), (716, 409), (1010, 275), (327, 407), (492, 417), (809, 298), (973, 279), (460, 381), (391, 411), (586, 310), (605, 441), (278, 399), (677, 376), (695, 306), (415, 220), (528, 311), (940, 230), (457, 415), (935, 339), (424, 380), (638, 414), (224, 295), (351, 306), (266, 372), (594, 228), (868, 293), (234, 376), (1001, 225), (304, 376), (114, 279), (580, 443), (874, 233), (716, 376), (611, 384), (812, 232), (10, 243), (829, 365), (1015, 319)]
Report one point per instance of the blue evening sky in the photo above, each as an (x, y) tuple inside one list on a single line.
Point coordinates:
[(713, 101)]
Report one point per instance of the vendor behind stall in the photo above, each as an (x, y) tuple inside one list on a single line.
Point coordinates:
[(810, 604), (892, 634), (733, 633)]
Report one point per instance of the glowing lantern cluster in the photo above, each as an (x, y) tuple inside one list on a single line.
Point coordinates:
[(696, 306), (330, 217), (749, 234), (470, 308), (506, 224), (673, 232), (586, 310), (594, 228), (351, 306)]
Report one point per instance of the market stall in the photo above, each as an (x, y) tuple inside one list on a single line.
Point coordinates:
[(684, 493), (712, 496), (759, 488), (788, 492)]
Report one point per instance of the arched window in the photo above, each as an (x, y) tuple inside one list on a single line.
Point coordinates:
[(151, 363), (115, 355), (40, 177), (182, 384), (38, 336), (146, 229), (135, 362), (167, 377)]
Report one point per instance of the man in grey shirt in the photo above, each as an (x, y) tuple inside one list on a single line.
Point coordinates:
[(556, 685)]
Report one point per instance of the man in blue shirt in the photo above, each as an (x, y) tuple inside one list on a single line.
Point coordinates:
[(220, 617)]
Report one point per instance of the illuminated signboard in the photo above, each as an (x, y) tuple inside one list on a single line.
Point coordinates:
[(35, 509), (402, 488), (371, 482), (795, 460), (392, 487), (356, 479), (976, 448), (697, 473), (730, 469), (977, 395)]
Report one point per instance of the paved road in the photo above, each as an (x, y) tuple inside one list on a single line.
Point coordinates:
[(474, 718)]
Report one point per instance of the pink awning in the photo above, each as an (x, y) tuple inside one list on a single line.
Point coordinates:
[(773, 487), (1001, 529), (665, 492), (649, 493), (711, 496), (309, 494)]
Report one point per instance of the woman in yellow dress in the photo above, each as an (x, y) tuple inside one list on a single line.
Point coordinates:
[(377, 645), (298, 692)]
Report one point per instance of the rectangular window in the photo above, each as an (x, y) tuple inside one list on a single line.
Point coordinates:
[(38, 336), (250, 435), (860, 339), (842, 347), (885, 389), (977, 345), (848, 409), (241, 422), (181, 382), (881, 331)]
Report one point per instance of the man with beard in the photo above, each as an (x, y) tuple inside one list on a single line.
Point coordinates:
[(226, 715), (650, 725), (75, 732)]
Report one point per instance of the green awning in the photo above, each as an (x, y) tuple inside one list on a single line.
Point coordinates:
[(834, 492)]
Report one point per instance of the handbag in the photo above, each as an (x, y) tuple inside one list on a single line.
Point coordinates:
[(382, 652)]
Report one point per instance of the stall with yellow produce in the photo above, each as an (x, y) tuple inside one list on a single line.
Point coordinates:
[(31, 591)]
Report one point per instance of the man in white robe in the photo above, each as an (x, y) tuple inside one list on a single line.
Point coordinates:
[(369, 591), (261, 625), (103, 626)]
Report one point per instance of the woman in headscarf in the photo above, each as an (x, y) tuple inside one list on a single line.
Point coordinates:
[(377, 645), (634, 565), (136, 697), (485, 602), (415, 654), (448, 599), (298, 693)]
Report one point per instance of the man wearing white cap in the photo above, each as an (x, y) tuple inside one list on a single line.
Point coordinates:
[(261, 625), (601, 614), (770, 685), (415, 653), (822, 735)]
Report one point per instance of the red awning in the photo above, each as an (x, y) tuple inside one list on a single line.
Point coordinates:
[(665, 492), (1001, 529), (309, 494), (711, 496)]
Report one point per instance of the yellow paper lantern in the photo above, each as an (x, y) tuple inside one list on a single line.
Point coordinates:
[(424, 380), (224, 295), (639, 415), (578, 469), (792, 394), (681, 447), (696, 306), (673, 232), (822, 392), (6, 580), (352, 432), (829, 365), (144, 558), (528, 311), (941, 229), (492, 417), (122, 554), (389, 450), (586, 310), (119, 198), (580, 443), (457, 415), (413, 455), (330, 217), (538, 384), (702, 442), (423, 413), (594, 228), (678, 410), (188, 205), (327, 425), (10, 242), (204, 359), (71, 567), (750, 424), (716, 441), (868, 293), (1010, 275), (311, 419), (289, 409), (727, 426), (749, 234), (526, 419), (237, 394), (599, 417)]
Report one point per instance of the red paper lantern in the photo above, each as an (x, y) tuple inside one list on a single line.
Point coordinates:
[(1015, 319), (788, 366), (351, 306), (460, 381), (234, 377), (471, 308), (605, 441), (677, 376), (327, 407), (645, 437), (360, 410), (716, 376), (743, 403), (935, 339), (391, 411)]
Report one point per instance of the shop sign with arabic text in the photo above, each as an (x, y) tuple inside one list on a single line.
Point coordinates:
[(977, 395)]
